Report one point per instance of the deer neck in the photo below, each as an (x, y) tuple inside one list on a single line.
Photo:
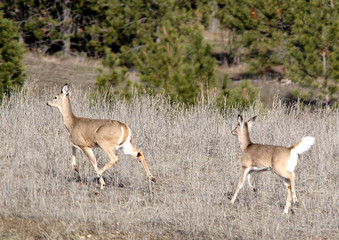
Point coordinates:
[(67, 114), (244, 139)]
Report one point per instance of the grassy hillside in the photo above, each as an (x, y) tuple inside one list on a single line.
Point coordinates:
[(50, 71), (192, 154)]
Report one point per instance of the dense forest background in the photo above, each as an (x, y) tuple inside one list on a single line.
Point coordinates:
[(167, 43)]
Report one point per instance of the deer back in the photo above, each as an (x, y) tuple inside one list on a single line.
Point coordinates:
[(266, 156), (90, 132)]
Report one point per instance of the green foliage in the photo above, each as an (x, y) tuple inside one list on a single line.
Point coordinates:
[(129, 25), (178, 65), (160, 39), (313, 49), (202, 65), (261, 29), (301, 35), (162, 65), (116, 78), (53, 26), (242, 96), (11, 55)]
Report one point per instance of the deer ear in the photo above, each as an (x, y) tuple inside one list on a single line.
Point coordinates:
[(250, 122), (66, 89), (240, 120)]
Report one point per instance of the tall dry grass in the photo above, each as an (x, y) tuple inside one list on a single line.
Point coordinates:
[(192, 154)]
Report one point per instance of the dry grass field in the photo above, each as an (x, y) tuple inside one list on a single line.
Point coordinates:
[(191, 152)]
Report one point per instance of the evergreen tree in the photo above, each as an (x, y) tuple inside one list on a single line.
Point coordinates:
[(202, 66), (155, 37), (243, 95), (302, 35), (261, 29), (130, 25), (115, 78), (55, 26), (163, 67), (178, 65), (313, 51), (11, 55)]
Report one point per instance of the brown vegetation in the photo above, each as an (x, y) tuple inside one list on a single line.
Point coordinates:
[(191, 152)]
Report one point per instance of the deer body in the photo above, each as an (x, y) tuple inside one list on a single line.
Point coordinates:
[(89, 132), (259, 157), (86, 133)]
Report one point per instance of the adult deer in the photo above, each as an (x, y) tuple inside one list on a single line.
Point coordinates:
[(86, 133), (259, 157)]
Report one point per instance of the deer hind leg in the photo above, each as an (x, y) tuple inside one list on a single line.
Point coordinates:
[(249, 182), (74, 164), (89, 153), (128, 148), (288, 199), (242, 179), (294, 195)]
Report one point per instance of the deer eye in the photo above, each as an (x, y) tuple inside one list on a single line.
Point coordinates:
[(55, 97)]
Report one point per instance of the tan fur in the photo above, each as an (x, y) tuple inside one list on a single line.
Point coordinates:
[(259, 157), (86, 133)]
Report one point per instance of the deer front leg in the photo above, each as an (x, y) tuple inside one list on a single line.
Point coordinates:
[(112, 157), (242, 179), (89, 153)]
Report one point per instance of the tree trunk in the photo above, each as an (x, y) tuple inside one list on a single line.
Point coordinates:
[(67, 19)]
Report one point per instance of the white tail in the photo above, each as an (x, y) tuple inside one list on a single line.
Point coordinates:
[(303, 145), (86, 133), (259, 157)]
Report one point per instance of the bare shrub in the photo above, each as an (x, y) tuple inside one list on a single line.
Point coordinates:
[(190, 151)]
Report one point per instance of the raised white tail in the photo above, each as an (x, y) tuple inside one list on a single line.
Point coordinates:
[(303, 145)]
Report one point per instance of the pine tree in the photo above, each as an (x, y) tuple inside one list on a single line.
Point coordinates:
[(261, 29), (155, 37), (163, 67), (314, 49), (243, 95), (130, 25), (11, 55), (178, 65), (302, 35), (115, 78), (202, 65), (55, 26)]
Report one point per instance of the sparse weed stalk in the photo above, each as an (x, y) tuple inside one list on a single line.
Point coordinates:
[(192, 153)]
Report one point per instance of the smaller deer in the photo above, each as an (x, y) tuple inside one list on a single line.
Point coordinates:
[(86, 133), (260, 157)]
